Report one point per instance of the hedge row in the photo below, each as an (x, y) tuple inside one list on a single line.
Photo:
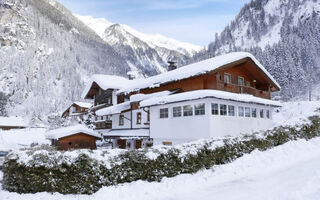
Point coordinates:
[(86, 175)]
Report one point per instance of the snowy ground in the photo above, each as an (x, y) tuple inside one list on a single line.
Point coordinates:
[(290, 171), (15, 139)]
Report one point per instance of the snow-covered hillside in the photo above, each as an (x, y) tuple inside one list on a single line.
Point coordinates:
[(283, 35), (140, 50), (99, 25)]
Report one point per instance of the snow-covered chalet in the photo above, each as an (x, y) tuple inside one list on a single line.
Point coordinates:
[(222, 96)]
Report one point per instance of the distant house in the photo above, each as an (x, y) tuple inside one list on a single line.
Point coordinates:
[(7, 123), (73, 137), (77, 109), (102, 89), (222, 96)]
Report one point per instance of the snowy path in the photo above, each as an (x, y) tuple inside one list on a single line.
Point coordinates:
[(290, 171)]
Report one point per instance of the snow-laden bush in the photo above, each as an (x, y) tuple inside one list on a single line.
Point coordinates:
[(44, 168)]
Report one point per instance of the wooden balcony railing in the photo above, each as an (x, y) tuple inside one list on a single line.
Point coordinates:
[(229, 87)]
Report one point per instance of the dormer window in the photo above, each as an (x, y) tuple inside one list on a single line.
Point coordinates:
[(227, 78)]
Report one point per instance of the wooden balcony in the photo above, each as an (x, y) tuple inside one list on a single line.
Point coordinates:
[(229, 87)]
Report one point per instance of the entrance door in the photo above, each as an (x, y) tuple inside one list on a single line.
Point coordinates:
[(121, 144), (138, 144)]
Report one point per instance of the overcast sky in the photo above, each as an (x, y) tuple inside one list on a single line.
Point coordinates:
[(193, 21)]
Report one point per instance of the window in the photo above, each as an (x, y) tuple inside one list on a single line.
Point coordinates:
[(261, 113), (241, 111), (176, 111), (227, 78), (268, 114), (240, 81), (219, 77), (215, 109), (148, 116), (231, 110), (199, 109), (164, 113), (223, 109), (247, 111), (247, 83), (121, 120), (139, 118), (254, 112), (187, 110)]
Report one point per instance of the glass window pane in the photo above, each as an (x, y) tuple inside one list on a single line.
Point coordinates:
[(187, 110), (241, 111), (199, 109), (247, 111), (223, 109), (261, 113), (215, 109), (254, 112), (176, 111), (164, 113), (231, 110)]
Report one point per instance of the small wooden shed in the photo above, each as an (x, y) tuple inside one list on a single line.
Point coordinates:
[(73, 137)]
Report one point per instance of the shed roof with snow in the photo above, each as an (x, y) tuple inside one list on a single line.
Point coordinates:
[(71, 130), (197, 69), (12, 122)]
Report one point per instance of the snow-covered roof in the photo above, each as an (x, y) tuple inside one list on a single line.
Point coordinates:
[(200, 94), (116, 109), (12, 122), (83, 104), (71, 130), (124, 133), (105, 82), (191, 70)]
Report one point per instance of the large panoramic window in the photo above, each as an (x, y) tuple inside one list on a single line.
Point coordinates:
[(199, 109), (139, 118), (177, 111), (121, 120), (247, 111), (254, 112), (187, 110), (164, 113), (227, 78), (261, 113), (215, 109), (223, 109), (231, 111), (241, 111)]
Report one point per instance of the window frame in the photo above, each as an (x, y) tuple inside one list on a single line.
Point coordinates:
[(268, 114), (247, 111), (121, 120), (184, 111), (227, 75), (216, 110), (254, 112), (165, 114), (201, 110), (139, 117), (223, 112), (234, 111), (262, 113), (240, 77), (174, 112), (241, 114)]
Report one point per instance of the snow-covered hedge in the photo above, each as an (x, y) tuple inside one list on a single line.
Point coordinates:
[(43, 168)]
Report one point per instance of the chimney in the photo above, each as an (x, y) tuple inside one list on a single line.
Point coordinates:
[(172, 65)]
